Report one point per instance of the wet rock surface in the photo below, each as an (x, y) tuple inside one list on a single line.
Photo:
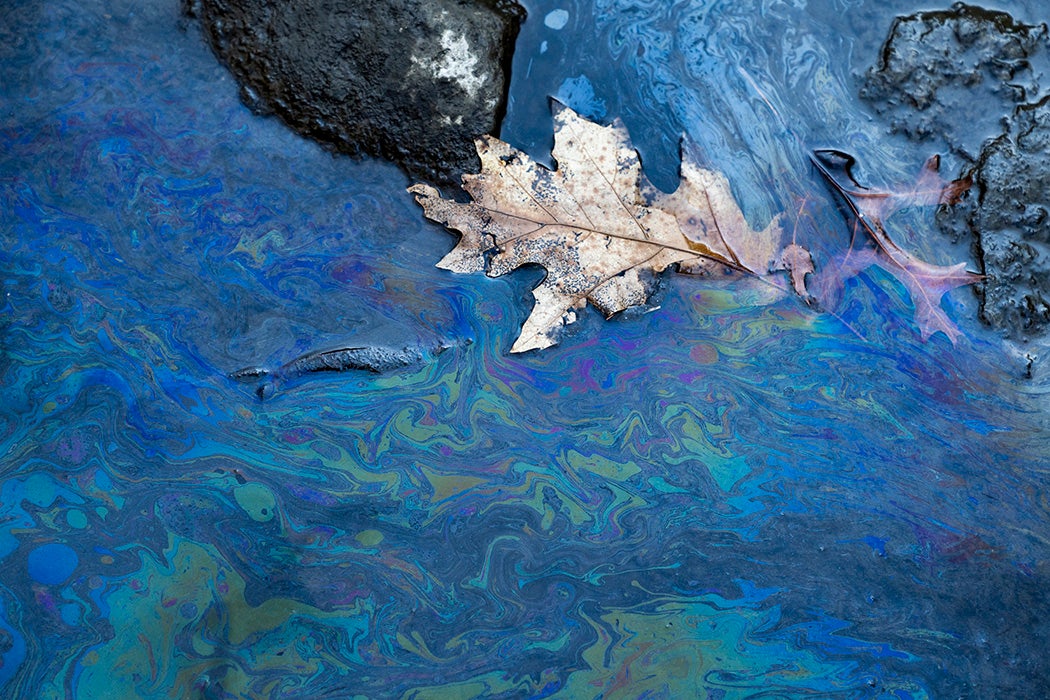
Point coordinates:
[(962, 75), (956, 73), (412, 81), (1011, 223)]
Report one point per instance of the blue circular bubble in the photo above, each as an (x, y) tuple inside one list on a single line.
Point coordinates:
[(52, 563)]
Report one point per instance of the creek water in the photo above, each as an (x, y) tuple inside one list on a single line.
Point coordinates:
[(718, 498)]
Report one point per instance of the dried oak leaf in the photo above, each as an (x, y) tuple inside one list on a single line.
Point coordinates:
[(799, 263), (600, 230), (925, 282), (708, 216)]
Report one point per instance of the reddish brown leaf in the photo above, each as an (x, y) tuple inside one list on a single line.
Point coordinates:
[(799, 263), (925, 282)]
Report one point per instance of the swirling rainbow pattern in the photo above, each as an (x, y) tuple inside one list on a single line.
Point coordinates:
[(721, 498)]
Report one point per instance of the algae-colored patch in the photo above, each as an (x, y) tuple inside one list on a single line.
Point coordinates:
[(257, 500), (183, 624)]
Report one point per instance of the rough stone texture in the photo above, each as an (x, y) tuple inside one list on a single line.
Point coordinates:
[(413, 81), (962, 75), (956, 73), (1011, 223)]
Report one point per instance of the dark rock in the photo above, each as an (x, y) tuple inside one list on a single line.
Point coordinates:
[(1011, 223), (413, 81), (956, 73), (970, 76)]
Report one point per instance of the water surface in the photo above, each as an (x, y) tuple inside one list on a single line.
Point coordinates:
[(721, 498)]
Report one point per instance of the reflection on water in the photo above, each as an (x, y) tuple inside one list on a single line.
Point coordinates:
[(716, 499)]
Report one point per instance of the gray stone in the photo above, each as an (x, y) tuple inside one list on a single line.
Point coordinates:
[(970, 76), (413, 81), (1011, 223), (954, 74)]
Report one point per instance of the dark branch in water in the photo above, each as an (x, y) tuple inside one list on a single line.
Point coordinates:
[(371, 359), (246, 373), (364, 358)]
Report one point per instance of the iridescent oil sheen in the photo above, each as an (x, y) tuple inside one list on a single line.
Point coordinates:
[(729, 496)]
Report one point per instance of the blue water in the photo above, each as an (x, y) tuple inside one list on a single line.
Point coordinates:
[(721, 498)]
